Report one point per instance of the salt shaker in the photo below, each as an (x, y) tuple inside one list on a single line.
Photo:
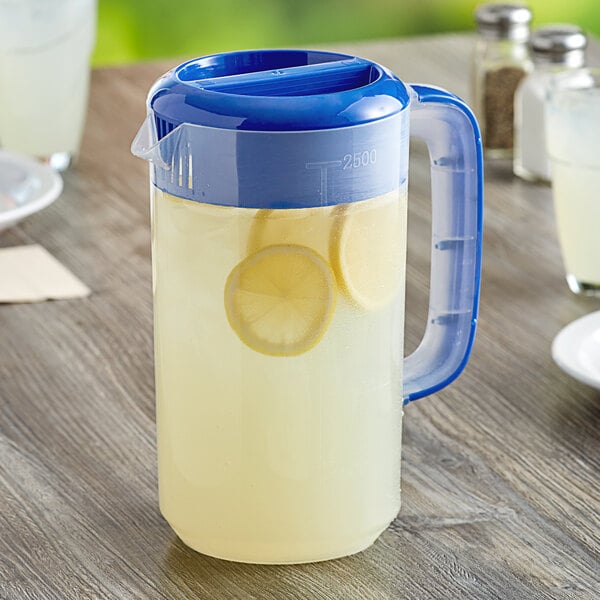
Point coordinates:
[(554, 48), (501, 59)]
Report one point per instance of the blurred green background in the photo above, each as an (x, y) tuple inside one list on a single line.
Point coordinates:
[(134, 30)]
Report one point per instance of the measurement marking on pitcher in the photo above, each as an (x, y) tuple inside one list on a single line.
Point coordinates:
[(323, 166), (360, 159)]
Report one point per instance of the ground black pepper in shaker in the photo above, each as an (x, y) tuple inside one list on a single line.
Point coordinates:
[(501, 60)]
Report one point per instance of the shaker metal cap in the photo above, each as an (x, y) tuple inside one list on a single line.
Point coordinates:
[(552, 43), (503, 21)]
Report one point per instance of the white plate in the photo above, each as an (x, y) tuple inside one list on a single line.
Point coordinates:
[(576, 349), (26, 186)]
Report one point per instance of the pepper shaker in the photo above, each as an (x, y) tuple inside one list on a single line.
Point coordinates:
[(554, 49), (501, 59)]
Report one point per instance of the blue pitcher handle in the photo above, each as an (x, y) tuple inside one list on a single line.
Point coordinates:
[(448, 127)]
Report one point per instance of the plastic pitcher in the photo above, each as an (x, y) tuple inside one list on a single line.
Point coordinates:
[(279, 190)]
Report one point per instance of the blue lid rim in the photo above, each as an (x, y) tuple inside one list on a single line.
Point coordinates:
[(261, 90)]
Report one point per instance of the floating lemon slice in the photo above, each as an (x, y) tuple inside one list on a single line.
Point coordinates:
[(368, 249), (280, 300), (304, 226)]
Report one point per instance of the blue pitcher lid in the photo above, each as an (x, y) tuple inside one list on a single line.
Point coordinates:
[(276, 90)]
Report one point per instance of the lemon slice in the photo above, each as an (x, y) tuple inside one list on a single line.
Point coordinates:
[(304, 226), (368, 249), (280, 300)]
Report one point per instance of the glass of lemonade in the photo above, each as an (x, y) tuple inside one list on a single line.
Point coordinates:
[(45, 49), (573, 140)]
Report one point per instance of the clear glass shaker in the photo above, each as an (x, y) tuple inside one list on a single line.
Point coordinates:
[(501, 59), (554, 49)]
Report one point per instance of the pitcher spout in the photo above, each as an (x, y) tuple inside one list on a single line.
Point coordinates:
[(147, 146)]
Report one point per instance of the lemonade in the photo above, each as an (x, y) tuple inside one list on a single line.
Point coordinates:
[(577, 211), (278, 340)]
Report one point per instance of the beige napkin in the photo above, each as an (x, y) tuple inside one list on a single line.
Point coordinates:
[(32, 274)]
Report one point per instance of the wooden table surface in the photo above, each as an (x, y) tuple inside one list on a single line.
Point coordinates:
[(500, 475)]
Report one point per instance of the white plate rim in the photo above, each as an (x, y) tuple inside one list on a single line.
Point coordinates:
[(567, 342), (51, 187)]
